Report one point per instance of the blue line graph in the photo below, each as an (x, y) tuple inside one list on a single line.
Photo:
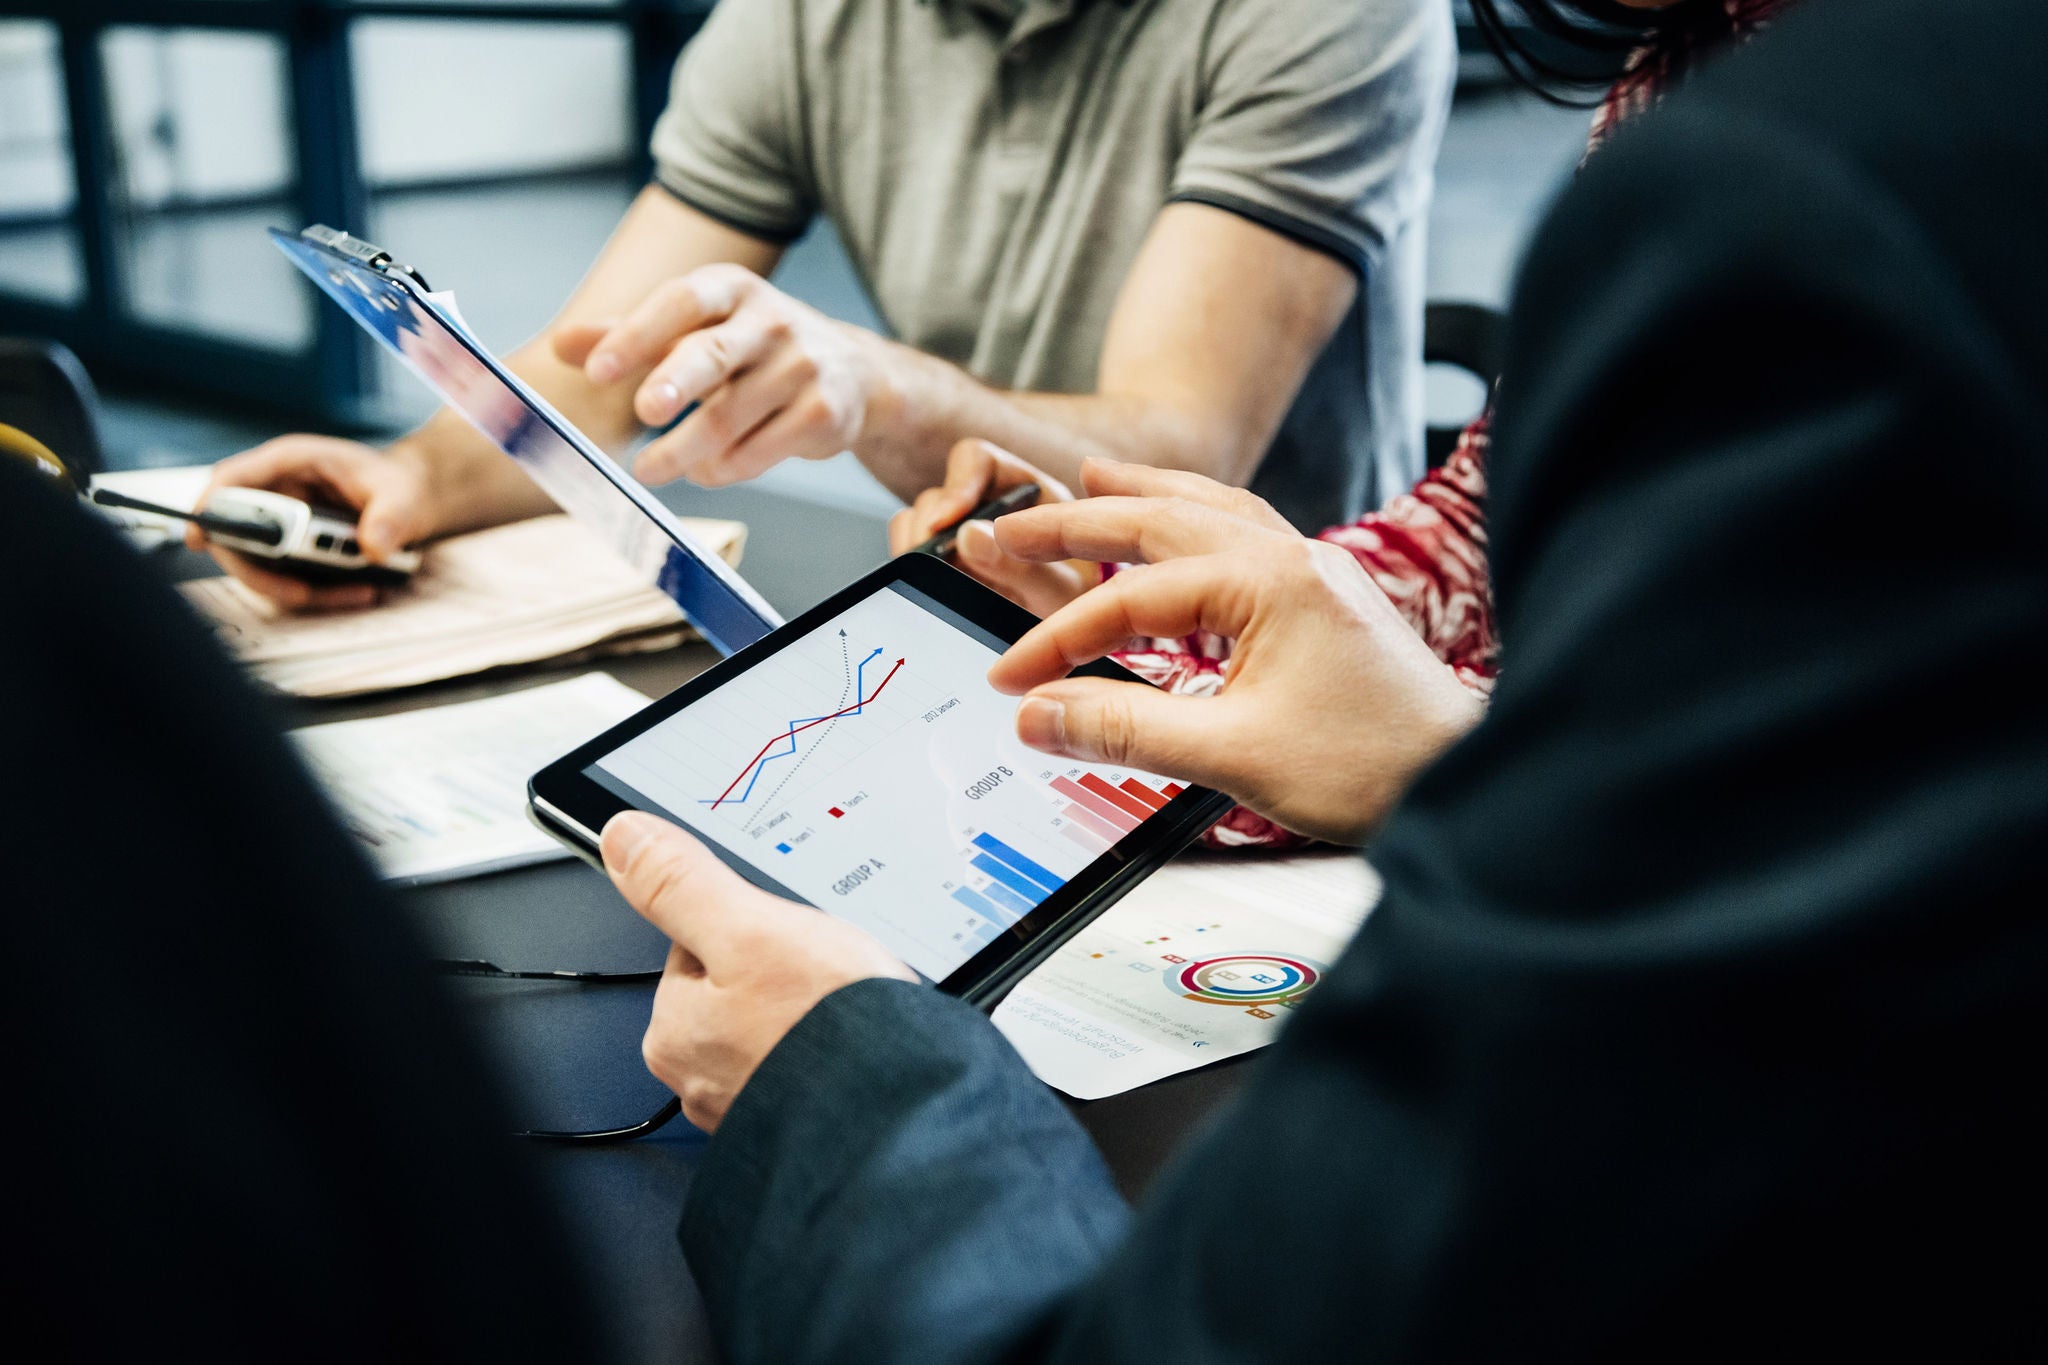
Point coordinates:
[(859, 692)]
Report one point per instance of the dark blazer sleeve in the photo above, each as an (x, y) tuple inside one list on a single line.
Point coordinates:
[(244, 1123), (1701, 1015)]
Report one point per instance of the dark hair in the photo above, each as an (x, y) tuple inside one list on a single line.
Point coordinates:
[(1568, 51)]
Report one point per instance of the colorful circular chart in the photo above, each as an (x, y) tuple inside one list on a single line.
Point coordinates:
[(1245, 979)]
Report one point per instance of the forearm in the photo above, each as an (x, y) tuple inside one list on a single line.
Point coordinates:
[(471, 483), (929, 405), (1177, 386)]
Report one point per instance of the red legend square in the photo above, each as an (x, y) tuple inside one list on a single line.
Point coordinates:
[(837, 814)]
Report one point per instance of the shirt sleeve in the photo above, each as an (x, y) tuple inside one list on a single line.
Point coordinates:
[(730, 144), (1321, 121)]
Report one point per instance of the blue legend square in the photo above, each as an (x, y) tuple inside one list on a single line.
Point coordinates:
[(782, 848)]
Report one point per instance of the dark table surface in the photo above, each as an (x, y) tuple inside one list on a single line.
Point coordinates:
[(571, 1053)]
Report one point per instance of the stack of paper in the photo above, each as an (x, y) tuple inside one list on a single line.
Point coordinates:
[(1203, 960), (533, 590), (441, 792)]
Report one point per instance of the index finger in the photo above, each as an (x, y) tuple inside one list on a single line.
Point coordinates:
[(1117, 478), (1208, 592), (975, 470), (1118, 530), (572, 342), (305, 467), (674, 310), (275, 464)]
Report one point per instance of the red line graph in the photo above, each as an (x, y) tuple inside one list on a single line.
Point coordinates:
[(797, 730)]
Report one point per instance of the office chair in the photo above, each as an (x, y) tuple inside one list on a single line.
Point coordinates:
[(1469, 337), (46, 398)]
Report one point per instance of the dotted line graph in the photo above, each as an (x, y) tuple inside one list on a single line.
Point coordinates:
[(846, 687)]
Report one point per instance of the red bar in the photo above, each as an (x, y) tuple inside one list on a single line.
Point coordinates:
[(1095, 822), (1114, 814), (1174, 789), (1143, 793), (1130, 805)]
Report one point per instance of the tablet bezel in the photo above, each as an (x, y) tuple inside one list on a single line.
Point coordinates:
[(572, 807)]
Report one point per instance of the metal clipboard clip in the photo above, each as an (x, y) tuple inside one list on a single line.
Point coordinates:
[(363, 253)]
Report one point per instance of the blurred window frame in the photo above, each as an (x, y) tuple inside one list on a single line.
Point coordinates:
[(332, 381)]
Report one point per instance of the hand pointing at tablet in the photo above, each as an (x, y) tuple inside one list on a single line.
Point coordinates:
[(1331, 705)]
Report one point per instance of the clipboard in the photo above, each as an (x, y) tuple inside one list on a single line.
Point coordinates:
[(393, 303)]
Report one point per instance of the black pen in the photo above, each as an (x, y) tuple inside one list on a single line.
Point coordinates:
[(1016, 500)]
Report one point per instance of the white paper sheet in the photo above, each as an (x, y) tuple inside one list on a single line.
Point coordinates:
[(1204, 960), (440, 793)]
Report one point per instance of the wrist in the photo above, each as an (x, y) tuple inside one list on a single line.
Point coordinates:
[(428, 480), (896, 401), (1453, 710), (1447, 712)]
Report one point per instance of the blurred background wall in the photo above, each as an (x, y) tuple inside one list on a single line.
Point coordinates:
[(145, 144)]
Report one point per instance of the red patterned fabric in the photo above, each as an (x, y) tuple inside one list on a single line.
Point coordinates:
[(1427, 548)]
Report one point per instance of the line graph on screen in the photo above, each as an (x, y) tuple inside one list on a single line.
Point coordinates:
[(769, 752)]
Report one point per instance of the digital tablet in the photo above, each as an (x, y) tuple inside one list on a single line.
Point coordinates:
[(858, 760), (423, 329)]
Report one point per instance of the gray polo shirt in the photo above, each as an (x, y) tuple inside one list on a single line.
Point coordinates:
[(994, 165)]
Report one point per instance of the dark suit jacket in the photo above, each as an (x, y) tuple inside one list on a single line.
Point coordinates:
[(1704, 1012), (243, 1125)]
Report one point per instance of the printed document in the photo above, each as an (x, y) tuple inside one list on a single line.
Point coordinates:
[(538, 589), (1205, 959), (440, 793)]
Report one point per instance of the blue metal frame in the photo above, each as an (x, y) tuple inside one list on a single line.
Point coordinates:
[(331, 381)]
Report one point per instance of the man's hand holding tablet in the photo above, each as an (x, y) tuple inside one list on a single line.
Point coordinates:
[(743, 967)]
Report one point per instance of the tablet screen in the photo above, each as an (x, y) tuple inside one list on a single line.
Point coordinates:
[(868, 768)]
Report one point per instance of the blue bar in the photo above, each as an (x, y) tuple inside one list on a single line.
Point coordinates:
[(1020, 862), (980, 906), (1009, 876), (1004, 896), (988, 933)]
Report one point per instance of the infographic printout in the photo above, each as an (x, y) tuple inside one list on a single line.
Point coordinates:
[(1205, 959), (869, 769)]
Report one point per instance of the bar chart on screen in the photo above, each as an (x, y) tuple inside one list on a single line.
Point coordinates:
[(1101, 813), (870, 769)]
